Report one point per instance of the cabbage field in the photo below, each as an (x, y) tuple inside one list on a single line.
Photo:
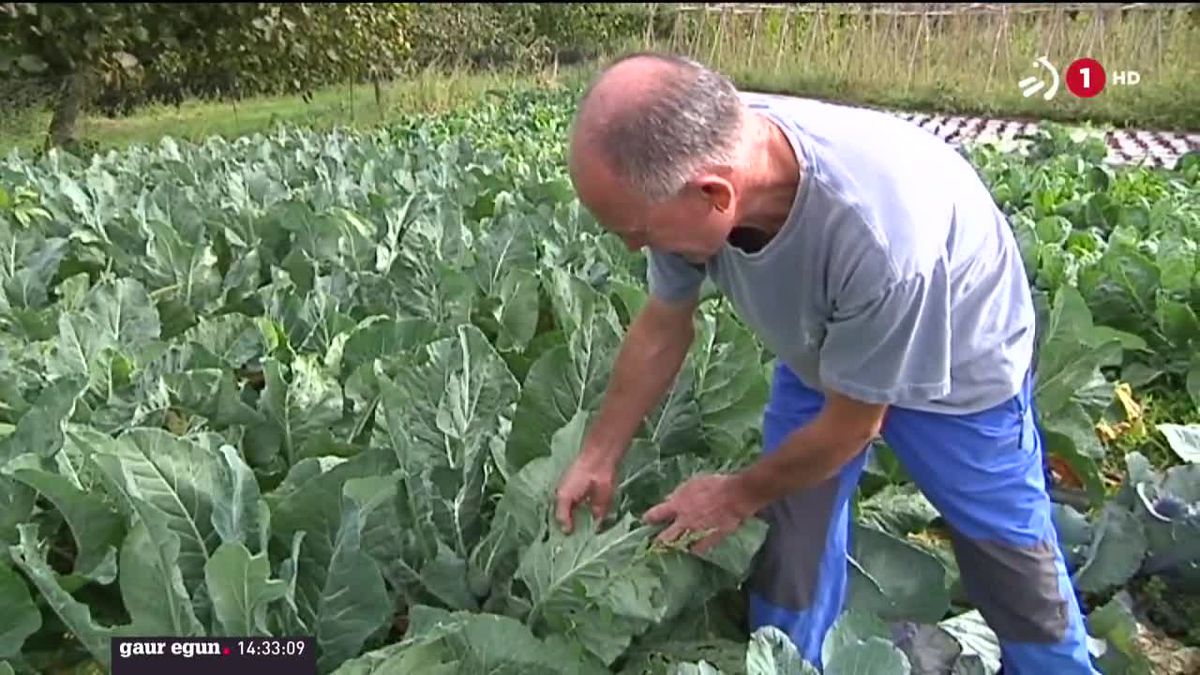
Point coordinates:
[(323, 384)]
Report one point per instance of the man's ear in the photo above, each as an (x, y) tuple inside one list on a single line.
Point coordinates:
[(718, 191)]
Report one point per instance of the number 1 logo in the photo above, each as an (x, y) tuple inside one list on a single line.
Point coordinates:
[(1033, 84), (1086, 77)]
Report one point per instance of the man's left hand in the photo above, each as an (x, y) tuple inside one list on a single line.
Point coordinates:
[(710, 504)]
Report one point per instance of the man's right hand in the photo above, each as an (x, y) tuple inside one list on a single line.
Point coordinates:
[(654, 347), (591, 478)]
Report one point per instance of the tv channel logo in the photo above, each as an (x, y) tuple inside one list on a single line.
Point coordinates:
[(1085, 78), (1035, 83)]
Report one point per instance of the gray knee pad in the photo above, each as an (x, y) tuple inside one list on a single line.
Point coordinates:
[(1015, 588), (786, 568)]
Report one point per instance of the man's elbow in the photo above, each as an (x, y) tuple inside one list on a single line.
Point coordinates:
[(853, 439), (850, 424)]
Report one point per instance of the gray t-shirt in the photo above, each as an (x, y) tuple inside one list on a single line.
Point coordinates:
[(896, 278)]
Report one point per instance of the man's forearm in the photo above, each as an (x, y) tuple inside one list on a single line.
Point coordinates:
[(645, 369), (806, 458)]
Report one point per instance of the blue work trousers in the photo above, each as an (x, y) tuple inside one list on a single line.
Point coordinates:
[(984, 474)]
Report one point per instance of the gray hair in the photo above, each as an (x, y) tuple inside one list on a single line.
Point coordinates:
[(658, 144)]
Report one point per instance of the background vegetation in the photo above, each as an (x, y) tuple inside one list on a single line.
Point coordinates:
[(106, 74)]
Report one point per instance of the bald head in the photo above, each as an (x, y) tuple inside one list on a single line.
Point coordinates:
[(654, 120)]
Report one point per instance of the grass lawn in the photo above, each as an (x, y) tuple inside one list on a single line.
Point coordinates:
[(1164, 102), (330, 107)]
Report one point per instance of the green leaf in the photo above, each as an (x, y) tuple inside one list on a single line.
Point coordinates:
[(897, 510), (1073, 422), (404, 541), (1179, 324), (1116, 625), (31, 63), (729, 390), (851, 629), (1074, 533), (75, 615), (180, 265), (20, 618), (518, 310), (1070, 356), (447, 578), (735, 552), (526, 505), (874, 656), (317, 507), (1121, 287), (1183, 439), (302, 406), (1176, 259), (155, 473), (1193, 380), (657, 648), (771, 652), (226, 342), (41, 430), (675, 426), (30, 265), (568, 379), (353, 602), (241, 589), (895, 580), (16, 507), (152, 585), (499, 644), (630, 297), (118, 317), (385, 338), (445, 416), (403, 657), (96, 525), (1117, 549), (566, 574), (240, 514), (976, 638), (1084, 466)]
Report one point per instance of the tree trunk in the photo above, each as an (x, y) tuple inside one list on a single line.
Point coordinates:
[(378, 94), (66, 111)]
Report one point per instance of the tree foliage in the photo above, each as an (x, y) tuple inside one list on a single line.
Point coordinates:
[(123, 55)]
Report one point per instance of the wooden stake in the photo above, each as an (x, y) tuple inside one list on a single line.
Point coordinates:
[(912, 61), (716, 50), (648, 39), (1001, 25), (701, 27), (812, 33), (1158, 61), (783, 32), (894, 45), (676, 31)]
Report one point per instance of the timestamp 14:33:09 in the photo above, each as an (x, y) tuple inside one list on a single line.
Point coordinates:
[(268, 647)]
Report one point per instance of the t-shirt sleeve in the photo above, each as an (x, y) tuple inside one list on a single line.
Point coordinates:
[(894, 343), (671, 278)]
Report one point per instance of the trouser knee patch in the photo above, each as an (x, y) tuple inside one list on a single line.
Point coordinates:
[(787, 566), (1015, 588)]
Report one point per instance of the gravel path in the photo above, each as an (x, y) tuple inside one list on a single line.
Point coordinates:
[(1154, 148)]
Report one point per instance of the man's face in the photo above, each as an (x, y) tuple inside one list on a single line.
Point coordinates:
[(693, 223)]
